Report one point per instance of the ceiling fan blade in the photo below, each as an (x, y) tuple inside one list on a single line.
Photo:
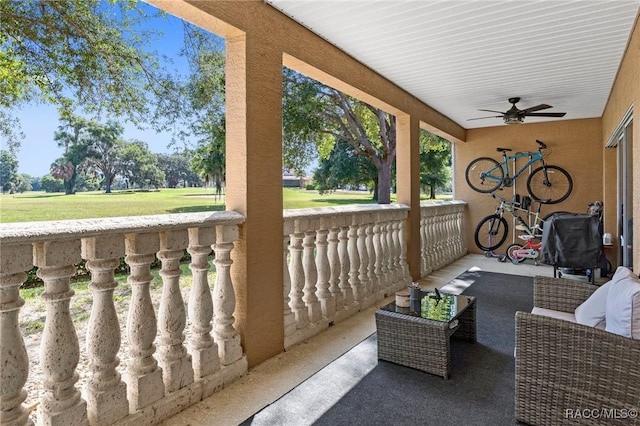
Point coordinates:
[(482, 118), (536, 108), (546, 114), (490, 110)]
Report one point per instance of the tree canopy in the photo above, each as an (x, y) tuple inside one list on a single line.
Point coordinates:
[(82, 56), (317, 116)]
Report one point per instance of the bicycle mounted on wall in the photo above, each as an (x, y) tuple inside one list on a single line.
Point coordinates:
[(547, 182)]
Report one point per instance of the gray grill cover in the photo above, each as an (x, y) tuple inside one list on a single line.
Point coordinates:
[(573, 241)]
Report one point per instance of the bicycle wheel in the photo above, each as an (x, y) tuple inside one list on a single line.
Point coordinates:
[(484, 174), (511, 253), (491, 232), (550, 183)]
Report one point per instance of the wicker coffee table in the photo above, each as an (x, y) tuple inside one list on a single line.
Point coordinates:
[(419, 338)]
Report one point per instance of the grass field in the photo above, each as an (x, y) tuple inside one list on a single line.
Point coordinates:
[(37, 206)]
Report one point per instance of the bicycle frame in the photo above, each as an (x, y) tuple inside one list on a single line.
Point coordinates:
[(534, 156), (529, 250), (534, 230)]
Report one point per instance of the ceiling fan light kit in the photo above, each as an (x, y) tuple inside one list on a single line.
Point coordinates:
[(516, 116)]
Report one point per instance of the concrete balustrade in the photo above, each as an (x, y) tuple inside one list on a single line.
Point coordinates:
[(339, 260), (156, 384), (441, 234), (336, 261)]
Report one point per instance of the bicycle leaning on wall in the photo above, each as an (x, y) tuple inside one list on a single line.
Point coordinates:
[(547, 182), (492, 230)]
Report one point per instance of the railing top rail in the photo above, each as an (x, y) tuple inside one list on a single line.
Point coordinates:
[(317, 212), (82, 228), (439, 203)]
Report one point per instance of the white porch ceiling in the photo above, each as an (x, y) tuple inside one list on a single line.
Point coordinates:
[(461, 55)]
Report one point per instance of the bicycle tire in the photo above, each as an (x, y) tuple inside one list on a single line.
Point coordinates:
[(491, 232), (476, 172), (514, 259), (554, 187)]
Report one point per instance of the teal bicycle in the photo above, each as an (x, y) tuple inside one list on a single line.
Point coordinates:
[(552, 184)]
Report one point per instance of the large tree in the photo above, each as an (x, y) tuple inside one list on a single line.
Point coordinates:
[(74, 137), (88, 56), (343, 168), (139, 165), (435, 162), (104, 155), (177, 169), (318, 116), (8, 170)]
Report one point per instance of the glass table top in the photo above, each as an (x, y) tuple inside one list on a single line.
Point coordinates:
[(430, 307)]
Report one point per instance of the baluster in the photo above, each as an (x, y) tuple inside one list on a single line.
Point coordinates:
[(204, 351), (450, 238), (384, 261), (14, 361), (310, 277), (172, 354), (354, 260), (371, 255), (327, 302), (144, 377), (391, 272), (59, 349), (406, 278), (462, 249), (289, 317), (379, 255), (297, 281), (106, 392), (397, 266), (423, 244), (363, 271), (345, 266), (441, 240), (432, 242), (447, 239), (437, 241), (224, 303), (334, 266)]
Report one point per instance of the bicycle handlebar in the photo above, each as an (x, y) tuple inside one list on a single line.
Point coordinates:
[(542, 144)]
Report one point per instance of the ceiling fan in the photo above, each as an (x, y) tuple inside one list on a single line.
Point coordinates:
[(516, 116)]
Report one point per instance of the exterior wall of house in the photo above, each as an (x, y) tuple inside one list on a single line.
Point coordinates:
[(624, 94), (574, 145)]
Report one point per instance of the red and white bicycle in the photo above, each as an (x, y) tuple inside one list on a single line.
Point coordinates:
[(529, 250)]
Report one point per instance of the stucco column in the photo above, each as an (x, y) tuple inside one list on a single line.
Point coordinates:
[(408, 185), (254, 189)]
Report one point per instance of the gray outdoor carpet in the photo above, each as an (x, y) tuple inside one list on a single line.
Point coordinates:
[(358, 389)]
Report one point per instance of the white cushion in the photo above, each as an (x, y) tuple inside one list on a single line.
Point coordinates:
[(567, 316), (592, 312), (623, 305)]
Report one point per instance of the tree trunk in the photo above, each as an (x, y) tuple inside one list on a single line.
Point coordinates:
[(384, 184), (432, 192)]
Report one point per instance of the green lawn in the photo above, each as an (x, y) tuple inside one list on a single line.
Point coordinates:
[(36, 206)]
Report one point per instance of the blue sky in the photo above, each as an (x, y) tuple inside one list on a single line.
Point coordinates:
[(39, 122)]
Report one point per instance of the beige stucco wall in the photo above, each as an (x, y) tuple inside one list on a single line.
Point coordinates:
[(624, 94), (573, 144)]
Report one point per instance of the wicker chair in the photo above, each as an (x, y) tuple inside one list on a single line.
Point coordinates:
[(568, 373)]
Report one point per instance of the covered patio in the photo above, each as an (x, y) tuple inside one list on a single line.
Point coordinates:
[(285, 277)]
